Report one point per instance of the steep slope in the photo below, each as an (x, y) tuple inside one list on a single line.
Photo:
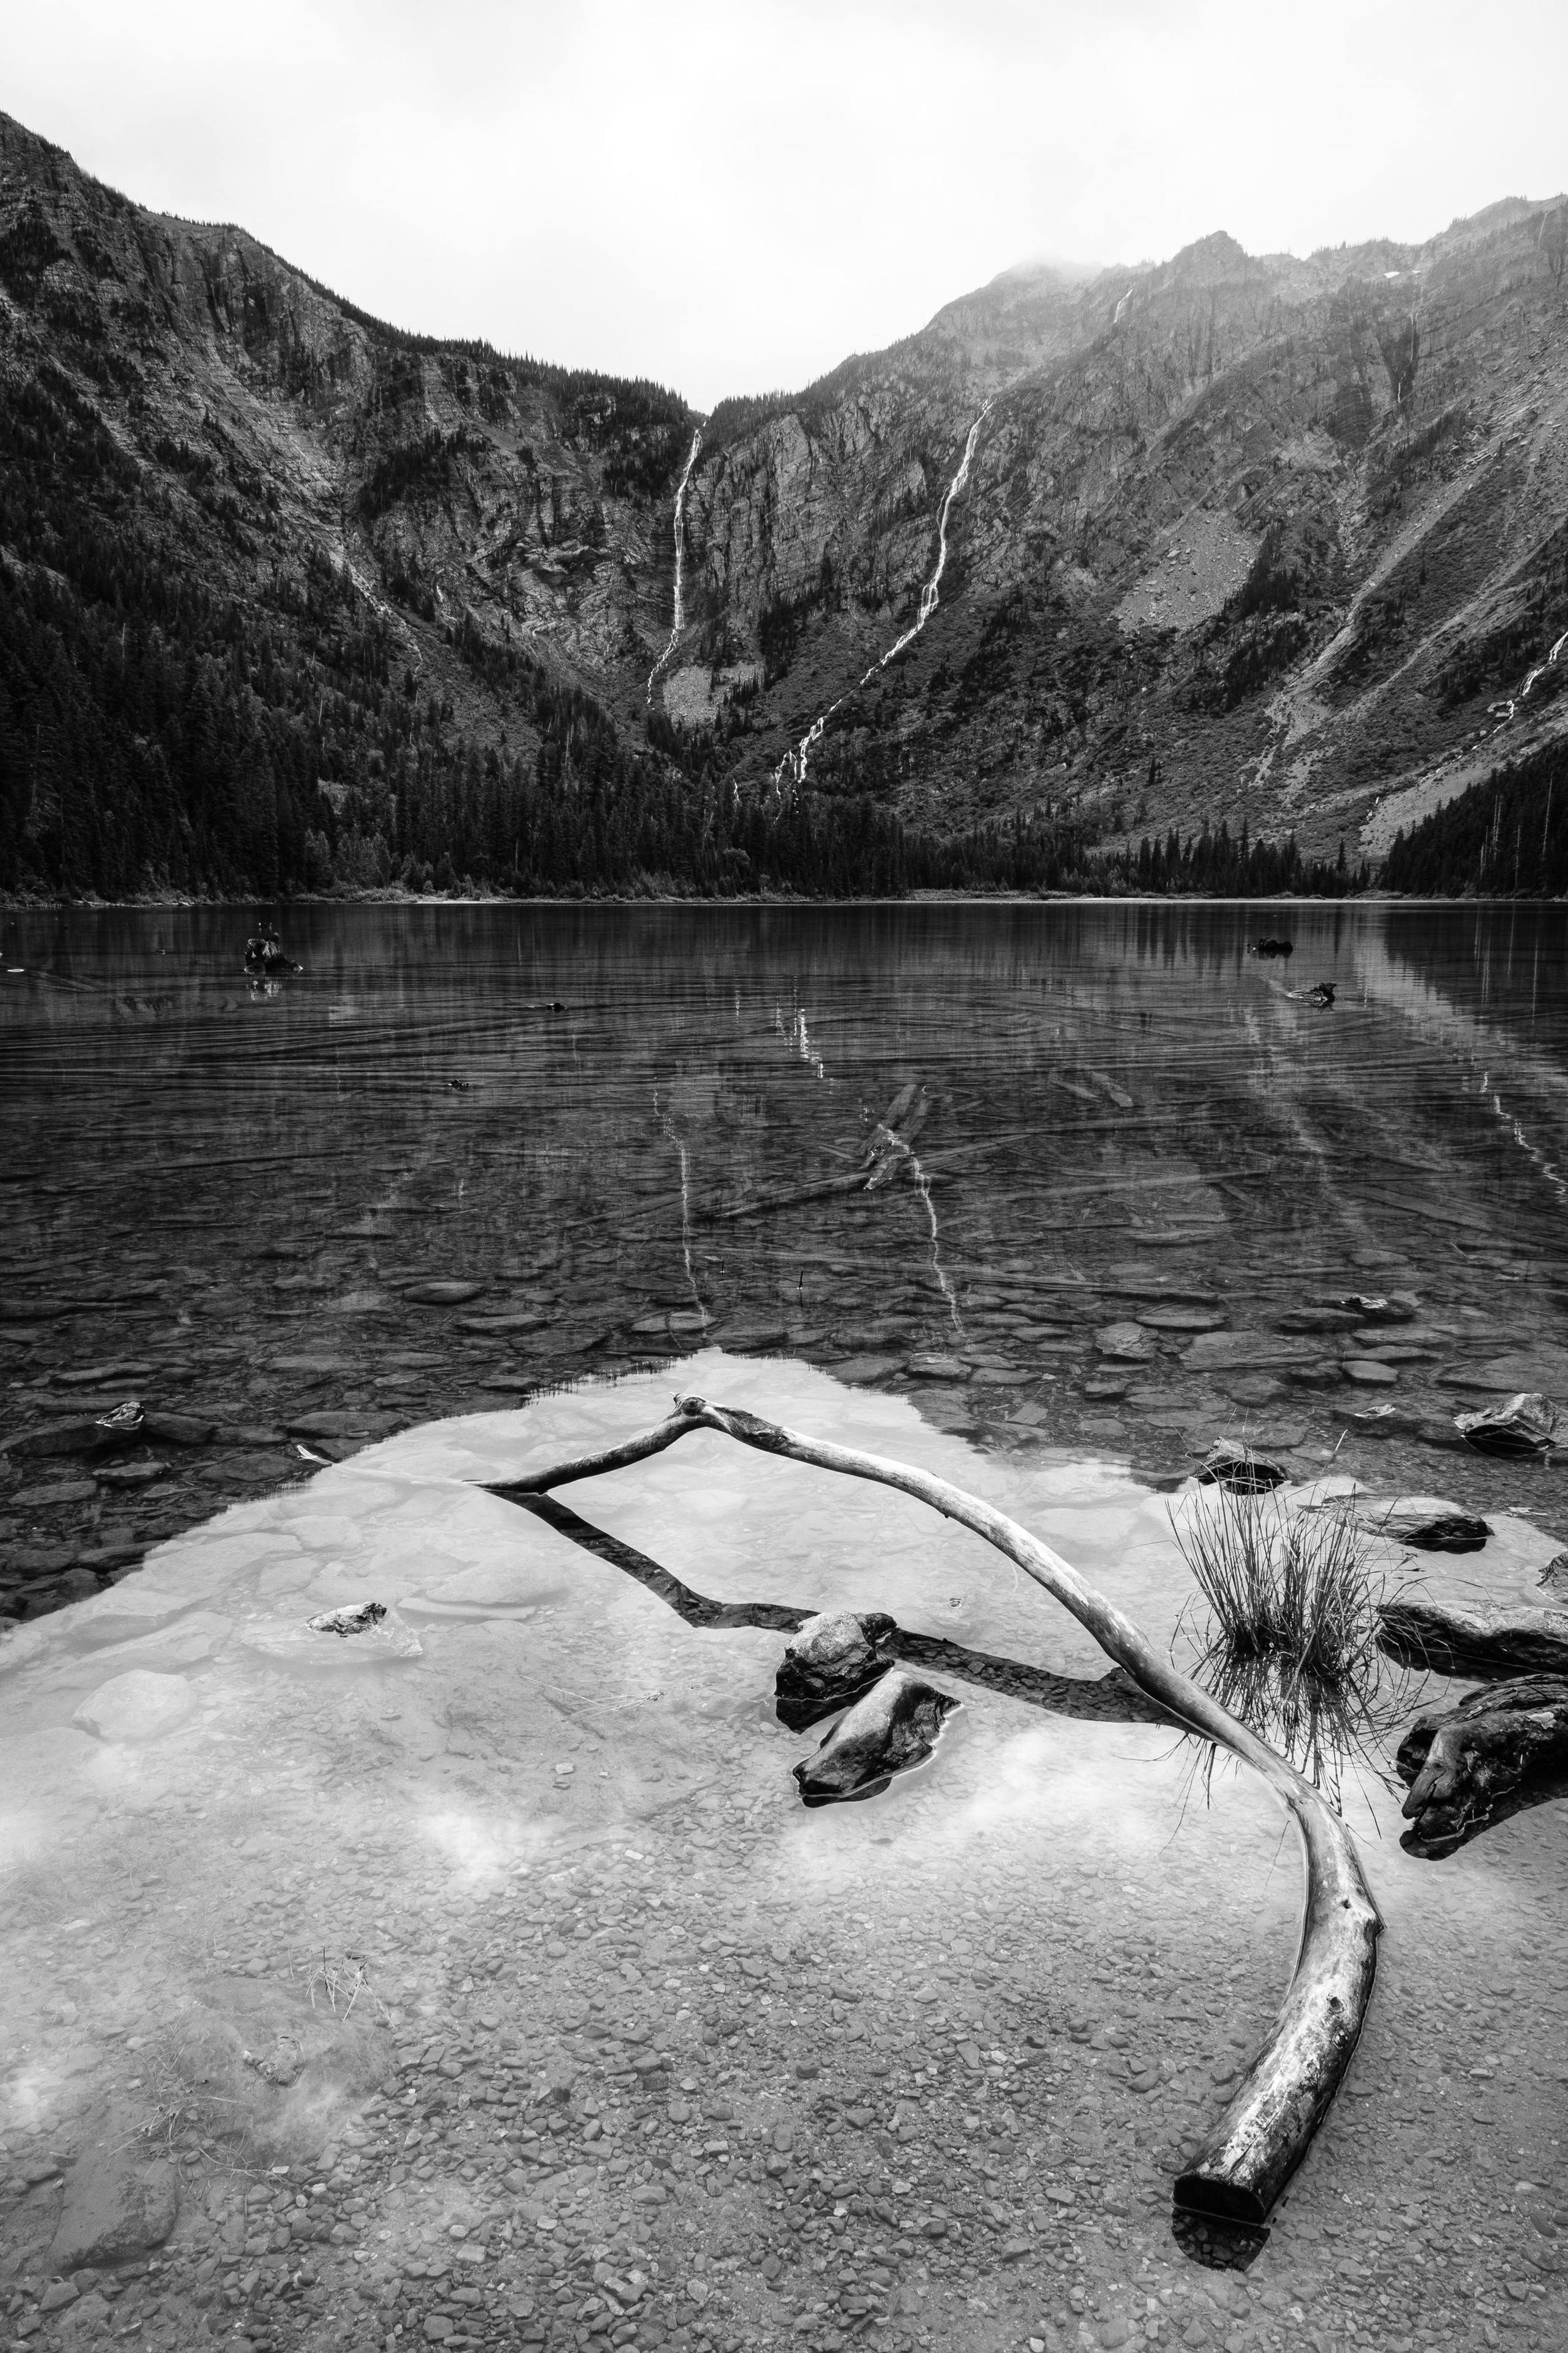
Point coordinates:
[(272, 567), (1264, 539)]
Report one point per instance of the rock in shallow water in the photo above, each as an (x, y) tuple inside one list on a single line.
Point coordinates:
[(894, 1727), (138, 1706), (1239, 1470), (116, 2206), (832, 1659), (1525, 1424)]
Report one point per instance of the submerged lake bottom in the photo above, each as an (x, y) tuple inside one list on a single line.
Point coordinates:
[(482, 1978)]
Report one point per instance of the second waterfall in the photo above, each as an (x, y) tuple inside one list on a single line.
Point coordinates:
[(678, 622), (794, 763)]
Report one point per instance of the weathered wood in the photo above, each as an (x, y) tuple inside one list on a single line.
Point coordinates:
[(1472, 1764), (1493, 1640), (1269, 2125)]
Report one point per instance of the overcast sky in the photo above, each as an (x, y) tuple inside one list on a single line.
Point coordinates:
[(731, 198)]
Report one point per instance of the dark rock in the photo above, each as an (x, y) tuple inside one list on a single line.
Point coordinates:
[(130, 1474), (178, 1430), (1525, 1424), (830, 1663), (1251, 1351), (116, 2206), (1318, 1319), (1425, 1527), (1128, 1343), (1182, 1319), (70, 1437), (1239, 1470), (345, 1422), (893, 1727), (1472, 1764), (357, 1618), (1491, 1641)]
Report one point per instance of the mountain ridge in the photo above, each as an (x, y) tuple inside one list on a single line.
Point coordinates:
[(1248, 537)]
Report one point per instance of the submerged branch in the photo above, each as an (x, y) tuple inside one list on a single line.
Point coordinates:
[(1268, 2125)]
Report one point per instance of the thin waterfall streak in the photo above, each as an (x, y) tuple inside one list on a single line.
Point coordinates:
[(795, 760), (923, 1188), (679, 621)]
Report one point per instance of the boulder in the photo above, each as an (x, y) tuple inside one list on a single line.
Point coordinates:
[(1475, 1763), (1376, 1307), (1238, 1470), (117, 2206), (1525, 1424), (355, 1618), (829, 1662), (1554, 1575), (1491, 1641), (1126, 1342), (136, 1705), (1426, 1524), (893, 1727)]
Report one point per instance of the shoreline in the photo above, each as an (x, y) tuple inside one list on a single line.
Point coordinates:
[(18, 904)]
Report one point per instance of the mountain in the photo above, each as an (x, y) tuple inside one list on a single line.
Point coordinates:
[(289, 596), (1264, 540)]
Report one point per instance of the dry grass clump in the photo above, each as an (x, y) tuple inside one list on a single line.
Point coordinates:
[(1289, 1640)]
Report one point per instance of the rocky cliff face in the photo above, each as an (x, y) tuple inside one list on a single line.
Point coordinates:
[(1242, 537), (249, 427), (1261, 539)]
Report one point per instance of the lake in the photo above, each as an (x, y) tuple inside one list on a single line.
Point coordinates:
[(501, 1948)]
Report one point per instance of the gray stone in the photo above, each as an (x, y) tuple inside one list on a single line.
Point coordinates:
[(1526, 1424), (116, 2206), (136, 1705)]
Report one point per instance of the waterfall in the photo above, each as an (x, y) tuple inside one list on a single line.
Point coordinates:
[(794, 762), (1505, 711), (679, 621)]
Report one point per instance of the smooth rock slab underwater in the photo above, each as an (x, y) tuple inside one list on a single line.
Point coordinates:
[(554, 1864)]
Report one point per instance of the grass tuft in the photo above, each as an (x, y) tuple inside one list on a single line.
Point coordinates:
[(1289, 1640)]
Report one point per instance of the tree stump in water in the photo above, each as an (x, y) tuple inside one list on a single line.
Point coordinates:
[(1475, 1763)]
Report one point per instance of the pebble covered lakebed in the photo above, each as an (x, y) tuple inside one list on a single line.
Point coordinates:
[(483, 1980)]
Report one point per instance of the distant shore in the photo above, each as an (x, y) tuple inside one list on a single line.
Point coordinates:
[(20, 903)]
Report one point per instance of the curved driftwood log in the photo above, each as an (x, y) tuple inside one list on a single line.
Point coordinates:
[(1268, 2128)]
